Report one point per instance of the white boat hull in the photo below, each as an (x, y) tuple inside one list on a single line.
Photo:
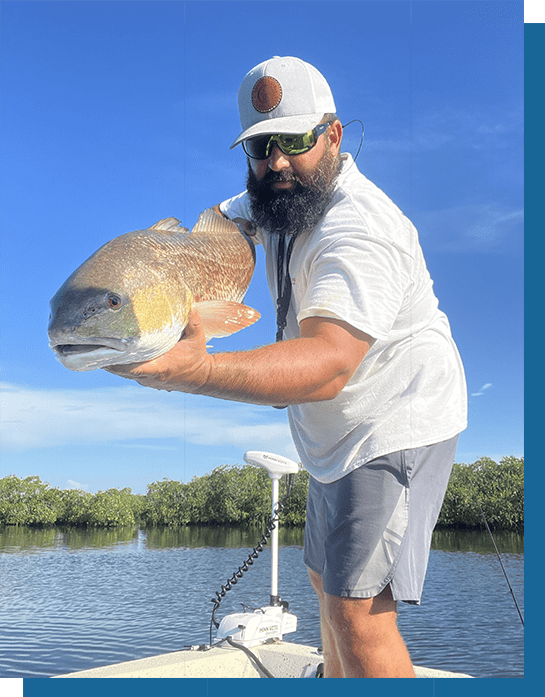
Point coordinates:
[(282, 659)]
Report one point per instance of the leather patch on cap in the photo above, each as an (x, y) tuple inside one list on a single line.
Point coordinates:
[(266, 94)]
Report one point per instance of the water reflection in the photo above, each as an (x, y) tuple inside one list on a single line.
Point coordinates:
[(73, 599), (22, 539), (477, 541), (212, 536), (18, 539)]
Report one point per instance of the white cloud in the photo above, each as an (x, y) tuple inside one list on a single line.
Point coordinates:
[(441, 127), (482, 390), (33, 418), (76, 485), (472, 227)]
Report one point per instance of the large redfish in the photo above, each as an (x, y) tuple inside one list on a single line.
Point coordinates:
[(130, 301)]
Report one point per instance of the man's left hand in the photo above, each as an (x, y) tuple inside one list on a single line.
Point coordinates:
[(185, 367)]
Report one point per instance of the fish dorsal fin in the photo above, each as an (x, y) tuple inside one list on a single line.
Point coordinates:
[(169, 225), (210, 221)]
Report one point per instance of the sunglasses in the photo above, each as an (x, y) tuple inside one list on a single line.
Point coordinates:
[(260, 147)]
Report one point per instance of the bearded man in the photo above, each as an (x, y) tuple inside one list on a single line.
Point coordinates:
[(364, 361)]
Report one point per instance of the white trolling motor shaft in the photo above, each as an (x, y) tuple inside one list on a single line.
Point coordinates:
[(272, 621), (276, 466)]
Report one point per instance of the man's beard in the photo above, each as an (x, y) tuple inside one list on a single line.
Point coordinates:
[(300, 208)]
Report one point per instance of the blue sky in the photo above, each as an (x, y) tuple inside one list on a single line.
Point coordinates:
[(118, 114)]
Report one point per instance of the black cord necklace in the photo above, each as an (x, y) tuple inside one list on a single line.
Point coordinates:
[(283, 285), (284, 282)]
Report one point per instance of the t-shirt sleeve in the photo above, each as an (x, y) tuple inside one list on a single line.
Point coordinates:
[(239, 207), (357, 279)]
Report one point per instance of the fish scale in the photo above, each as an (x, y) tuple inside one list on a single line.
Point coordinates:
[(130, 301)]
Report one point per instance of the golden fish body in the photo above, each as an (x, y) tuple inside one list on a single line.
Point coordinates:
[(130, 301)]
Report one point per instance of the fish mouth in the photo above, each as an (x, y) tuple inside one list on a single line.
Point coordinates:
[(90, 346)]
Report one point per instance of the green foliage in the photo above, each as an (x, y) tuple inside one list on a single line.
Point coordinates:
[(294, 512), (498, 488), (166, 503), (111, 508), (74, 505), (32, 502), (241, 496), (238, 496), (226, 496), (27, 501)]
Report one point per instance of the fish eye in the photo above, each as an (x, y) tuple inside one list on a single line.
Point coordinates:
[(114, 301)]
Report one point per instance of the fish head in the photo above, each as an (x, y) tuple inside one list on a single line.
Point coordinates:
[(123, 305)]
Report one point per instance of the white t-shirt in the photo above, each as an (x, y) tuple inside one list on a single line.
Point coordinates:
[(363, 264)]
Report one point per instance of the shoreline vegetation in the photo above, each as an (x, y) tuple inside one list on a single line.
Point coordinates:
[(241, 496)]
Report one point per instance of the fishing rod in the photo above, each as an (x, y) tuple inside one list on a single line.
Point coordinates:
[(501, 563)]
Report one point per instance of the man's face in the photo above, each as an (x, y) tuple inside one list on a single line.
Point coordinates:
[(289, 194)]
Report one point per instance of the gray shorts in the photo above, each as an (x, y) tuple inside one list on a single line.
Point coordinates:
[(373, 526)]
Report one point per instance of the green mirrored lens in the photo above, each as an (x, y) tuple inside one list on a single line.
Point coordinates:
[(260, 148)]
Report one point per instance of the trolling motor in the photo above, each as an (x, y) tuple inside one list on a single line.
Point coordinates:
[(274, 620)]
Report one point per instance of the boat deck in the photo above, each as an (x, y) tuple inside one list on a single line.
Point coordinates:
[(282, 659)]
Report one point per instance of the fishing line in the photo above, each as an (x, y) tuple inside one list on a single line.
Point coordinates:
[(501, 563)]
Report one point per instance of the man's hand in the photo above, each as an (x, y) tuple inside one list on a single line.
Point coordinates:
[(185, 367)]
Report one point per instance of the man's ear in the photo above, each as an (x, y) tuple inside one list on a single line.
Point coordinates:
[(335, 136)]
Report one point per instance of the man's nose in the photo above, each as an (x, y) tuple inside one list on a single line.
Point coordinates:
[(278, 160)]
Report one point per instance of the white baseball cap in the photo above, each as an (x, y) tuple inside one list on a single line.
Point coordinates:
[(282, 95)]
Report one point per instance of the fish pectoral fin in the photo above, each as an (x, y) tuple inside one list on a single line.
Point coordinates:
[(225, 317), (169, 225)]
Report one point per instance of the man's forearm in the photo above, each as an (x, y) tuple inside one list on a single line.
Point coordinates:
[(312, 368), (291, 372)]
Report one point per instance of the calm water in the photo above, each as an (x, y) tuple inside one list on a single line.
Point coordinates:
[(75, 600)]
